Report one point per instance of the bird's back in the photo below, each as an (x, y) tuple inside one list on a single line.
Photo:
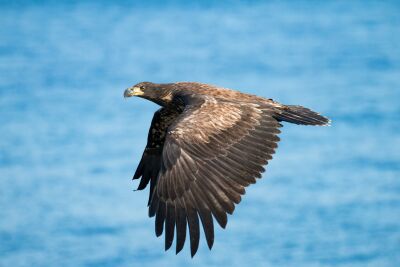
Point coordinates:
[(220, 92)]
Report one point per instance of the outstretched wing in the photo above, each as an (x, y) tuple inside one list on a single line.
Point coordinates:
[(212, 151), (150, 164)]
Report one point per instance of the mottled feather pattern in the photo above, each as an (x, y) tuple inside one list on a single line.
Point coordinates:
[(205, 146), (209, 166), (212, 121)]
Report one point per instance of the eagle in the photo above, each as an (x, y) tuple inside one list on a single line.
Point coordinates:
[(205, 145)]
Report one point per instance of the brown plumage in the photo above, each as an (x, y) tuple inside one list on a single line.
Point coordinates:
[(205, 145)]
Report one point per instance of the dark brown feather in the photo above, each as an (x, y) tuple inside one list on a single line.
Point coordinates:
[(180, 216), (205, 145)]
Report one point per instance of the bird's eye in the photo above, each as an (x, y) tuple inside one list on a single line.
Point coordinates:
[(141, 87)]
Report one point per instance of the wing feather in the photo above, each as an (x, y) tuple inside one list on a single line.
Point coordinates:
[(169, 225), (193, 222), (206, 219), (211, 152), (180, 216), (160, 218)]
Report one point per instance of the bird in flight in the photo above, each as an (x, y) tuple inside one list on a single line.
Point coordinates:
[(205, 145)]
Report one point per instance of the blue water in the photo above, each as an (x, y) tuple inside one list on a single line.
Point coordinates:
[(70, 142)]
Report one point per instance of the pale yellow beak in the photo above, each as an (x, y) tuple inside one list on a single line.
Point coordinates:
[(133, 91)]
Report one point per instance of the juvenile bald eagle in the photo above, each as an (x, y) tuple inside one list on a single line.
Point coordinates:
[(205, 145)]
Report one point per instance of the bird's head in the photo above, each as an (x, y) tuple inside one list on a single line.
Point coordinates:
[(158, 93), (141, 89)]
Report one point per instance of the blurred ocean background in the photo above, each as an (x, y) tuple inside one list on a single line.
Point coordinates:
[(70, 143)]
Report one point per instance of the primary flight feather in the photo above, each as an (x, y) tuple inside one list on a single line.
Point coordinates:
[(205, 145)]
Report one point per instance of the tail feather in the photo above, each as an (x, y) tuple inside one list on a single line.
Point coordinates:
[(300, 115)]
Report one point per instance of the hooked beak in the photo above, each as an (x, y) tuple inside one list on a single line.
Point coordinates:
[(133, 91)]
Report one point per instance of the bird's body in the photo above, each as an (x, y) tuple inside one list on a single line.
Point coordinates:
[(205, 145)]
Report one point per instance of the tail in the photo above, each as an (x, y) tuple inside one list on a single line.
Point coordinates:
[(300, 115)]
